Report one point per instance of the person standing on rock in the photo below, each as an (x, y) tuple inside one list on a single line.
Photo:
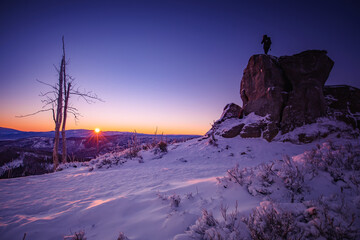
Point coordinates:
[(267, 43)]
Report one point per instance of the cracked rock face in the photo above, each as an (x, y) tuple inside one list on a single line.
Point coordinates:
[(263, 87), (307, 73)]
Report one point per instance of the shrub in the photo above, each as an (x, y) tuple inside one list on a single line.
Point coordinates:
[(174, 200), (203, 224), (292, 175), (208, 228), (76, 236), (122, 236), (109, 159), (213, 140), (269, 222), (133, 146), (239, 176), (329, 228), (334, 219), (162, 146)]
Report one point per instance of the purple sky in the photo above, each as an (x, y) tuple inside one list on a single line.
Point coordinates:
[(171, 64)]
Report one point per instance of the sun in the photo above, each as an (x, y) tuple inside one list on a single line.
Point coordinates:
[(97, 130)]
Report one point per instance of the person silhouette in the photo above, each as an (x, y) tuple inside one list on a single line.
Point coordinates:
[(266, 41)]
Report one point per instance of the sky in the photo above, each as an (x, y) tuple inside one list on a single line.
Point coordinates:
[(171, 65)]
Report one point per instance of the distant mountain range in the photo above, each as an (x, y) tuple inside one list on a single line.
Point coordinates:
[(13, 134)]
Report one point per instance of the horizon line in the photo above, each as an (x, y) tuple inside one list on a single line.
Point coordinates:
[(49, 131)]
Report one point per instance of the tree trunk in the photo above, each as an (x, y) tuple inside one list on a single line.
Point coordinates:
[(64, 151), (58, 118), (67, 87)]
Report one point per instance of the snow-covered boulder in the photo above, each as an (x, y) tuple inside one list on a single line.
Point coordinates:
[(251, 126), (231, 110), (322, 128)]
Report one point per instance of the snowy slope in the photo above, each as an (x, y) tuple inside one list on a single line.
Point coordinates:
[(135, 198)]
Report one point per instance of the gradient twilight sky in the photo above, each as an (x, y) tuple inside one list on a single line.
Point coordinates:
[(171, 64)]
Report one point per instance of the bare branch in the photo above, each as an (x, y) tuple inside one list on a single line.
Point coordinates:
[(47, 84), (75, 114), (31, 114), (47, 93), (89, 97), (48, 100), (73, 109), (53, 114)]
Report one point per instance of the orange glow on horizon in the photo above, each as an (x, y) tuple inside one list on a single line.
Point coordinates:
[(43, 124), (145, 130), (124, 120)]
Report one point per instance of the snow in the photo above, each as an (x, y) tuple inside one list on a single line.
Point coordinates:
[(323, 126), (230, 123), (159, 197)]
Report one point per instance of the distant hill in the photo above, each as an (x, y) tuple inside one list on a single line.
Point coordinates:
[(13, 134)]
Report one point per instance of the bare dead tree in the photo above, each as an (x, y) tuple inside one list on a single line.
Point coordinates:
[(67, 86), (58, 118), (57, 101)]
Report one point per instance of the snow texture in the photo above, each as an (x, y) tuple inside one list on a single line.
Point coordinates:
[(189, 192)]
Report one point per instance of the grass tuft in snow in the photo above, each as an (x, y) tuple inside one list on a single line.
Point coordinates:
[(122, 236), (173, 199), (162, 146), (76, 236)]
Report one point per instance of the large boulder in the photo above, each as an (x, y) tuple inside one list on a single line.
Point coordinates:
[(253, 130), (231, 111), (233, 131), (263, 86), (270, 131), (307, 73)]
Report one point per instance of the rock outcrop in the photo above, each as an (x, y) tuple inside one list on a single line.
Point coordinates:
[(343, 102), (263, 86), (289, 89), (286, 93), (307, 73)]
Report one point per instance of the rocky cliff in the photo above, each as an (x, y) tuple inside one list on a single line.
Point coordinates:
[(286, 93)]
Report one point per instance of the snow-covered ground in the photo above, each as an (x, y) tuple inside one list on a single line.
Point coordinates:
[(139, 199)]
